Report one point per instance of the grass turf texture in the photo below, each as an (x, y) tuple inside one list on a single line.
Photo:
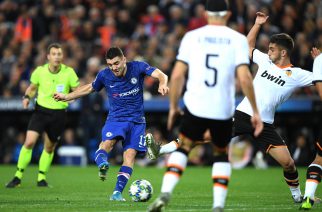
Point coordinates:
[(79, 189)]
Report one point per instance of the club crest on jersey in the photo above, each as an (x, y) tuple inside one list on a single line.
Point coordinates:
[(288, 72), (134, 80)]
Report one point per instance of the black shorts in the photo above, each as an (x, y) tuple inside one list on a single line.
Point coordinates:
[(47, 120), (194, 127), (266, 140)]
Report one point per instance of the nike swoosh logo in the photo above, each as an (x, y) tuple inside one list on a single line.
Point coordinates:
[(112, 86)]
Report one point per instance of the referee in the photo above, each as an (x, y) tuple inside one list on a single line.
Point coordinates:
[(49, 115)]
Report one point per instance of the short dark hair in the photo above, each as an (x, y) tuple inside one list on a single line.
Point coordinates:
[(217, 5), (53, 45), (113, 52), (283, 40)]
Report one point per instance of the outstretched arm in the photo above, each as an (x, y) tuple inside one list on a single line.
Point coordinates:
[(163, 81), (79, 92), (246, 82), (252, 35)]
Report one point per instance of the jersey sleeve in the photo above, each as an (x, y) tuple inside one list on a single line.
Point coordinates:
[(259, 57), (73, 80), (34, 79), (184, 49), (98, 84), (317, 69), (242, 51), (304, 78), (146, 68)]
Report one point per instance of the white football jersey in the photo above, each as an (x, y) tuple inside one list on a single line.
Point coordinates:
[(273, 85), (317, 69), (212, 54)]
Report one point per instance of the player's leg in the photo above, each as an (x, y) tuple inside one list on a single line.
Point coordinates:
[(313, 178), (124, 174), (155, 149), (176, 164), (272, 143), (192, 129), (102, 156), (45, 160), (111, 132), (221, 169), (35, 128), (134, 143), (54, 123), (24, 158), (283, 157)]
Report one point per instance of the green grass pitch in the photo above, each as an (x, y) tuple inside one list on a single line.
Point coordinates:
[(79, 189)]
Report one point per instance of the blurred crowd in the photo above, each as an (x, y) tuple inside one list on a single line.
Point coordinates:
[(150, 31), (145, 30)]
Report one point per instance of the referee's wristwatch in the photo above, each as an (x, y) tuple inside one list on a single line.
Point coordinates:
[(26, 97)]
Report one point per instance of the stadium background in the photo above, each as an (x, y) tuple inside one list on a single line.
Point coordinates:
[(145, 30)]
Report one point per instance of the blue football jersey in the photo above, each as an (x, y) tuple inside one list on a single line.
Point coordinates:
[(125, 94)]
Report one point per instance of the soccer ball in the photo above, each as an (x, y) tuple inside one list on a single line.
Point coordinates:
[(141, 190)]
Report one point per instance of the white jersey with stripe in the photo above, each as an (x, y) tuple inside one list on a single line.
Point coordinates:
[(317, 69), (273, 85), (212, 54)]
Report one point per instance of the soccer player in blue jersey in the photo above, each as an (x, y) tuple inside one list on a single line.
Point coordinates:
[(123, 82)]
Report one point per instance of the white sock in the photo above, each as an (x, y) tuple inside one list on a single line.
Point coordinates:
[(177, 160), (220, 170), (310, 188), (311, 185), (168, 148), (296, 192)]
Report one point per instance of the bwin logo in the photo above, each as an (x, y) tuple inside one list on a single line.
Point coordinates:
[(272, 78)]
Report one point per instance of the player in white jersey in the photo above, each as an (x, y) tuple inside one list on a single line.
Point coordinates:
[(213, 54), (314, 171), (274, 82)]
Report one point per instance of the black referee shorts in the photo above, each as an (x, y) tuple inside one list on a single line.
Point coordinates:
[(48, 120), (194, 127), (268, 138)]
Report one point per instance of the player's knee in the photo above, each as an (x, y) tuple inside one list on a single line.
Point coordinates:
[(50, 149), (186, 146), (106, 145), (317, 160), (314, 173), (288, 164), (29, 144)]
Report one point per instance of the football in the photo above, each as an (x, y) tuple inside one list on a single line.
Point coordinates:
[(141, 190)]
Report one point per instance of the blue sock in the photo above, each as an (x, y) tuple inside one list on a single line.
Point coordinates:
[(122, 177), (101, 157)]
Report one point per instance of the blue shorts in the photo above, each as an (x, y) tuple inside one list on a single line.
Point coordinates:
[(131, 134)]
